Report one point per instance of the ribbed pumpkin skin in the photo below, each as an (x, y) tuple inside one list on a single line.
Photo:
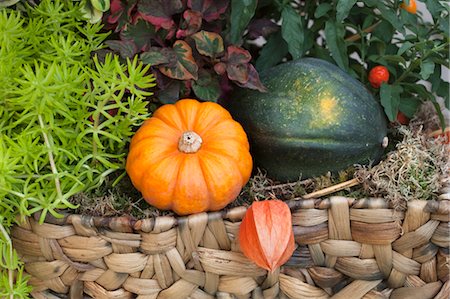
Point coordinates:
[(314, 118), (188, 183)]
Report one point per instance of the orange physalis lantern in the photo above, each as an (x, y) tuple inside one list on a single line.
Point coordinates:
[(265, 235)]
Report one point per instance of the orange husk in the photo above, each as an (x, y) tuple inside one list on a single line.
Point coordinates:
[(265, 235)]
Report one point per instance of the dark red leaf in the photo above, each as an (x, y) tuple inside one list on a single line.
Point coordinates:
[(192, 23), (210, 9), (127, 49), (120, 12), (116, 6), (261, 27), (237, 55), (253, 81), (160, 12), (116, 9), (220, 68), (238, 72), (185, 68), (164, 34)]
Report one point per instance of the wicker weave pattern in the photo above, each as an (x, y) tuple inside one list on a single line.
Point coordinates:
[(347, 248)]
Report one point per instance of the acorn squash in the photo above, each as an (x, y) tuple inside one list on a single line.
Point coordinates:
[(314, 118)]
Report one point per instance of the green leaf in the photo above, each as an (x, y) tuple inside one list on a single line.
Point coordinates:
[(371, 3), (272, 52), (92, 14), (390, 15), (426, 69), (409, 106), (5, 3), (185, 67), (384, 31), (208, 43), (343, 8), (417, 89), (390, 99), (384, 59), (322, 53), (444, 25), (171, 92), (292, 31), (334, 34), (442, 91), (207, 87), (405, 47), (322, 10), (434, 7), (101, 5), (242, 12), (155, 57), (141, 33), (435, 78)]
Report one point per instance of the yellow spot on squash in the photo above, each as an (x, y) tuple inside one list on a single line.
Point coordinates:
[(327, 106), (327, 114)]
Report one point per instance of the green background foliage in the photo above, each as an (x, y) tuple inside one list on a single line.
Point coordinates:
[(356, 36)]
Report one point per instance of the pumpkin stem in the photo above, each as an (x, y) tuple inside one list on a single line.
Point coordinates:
[(190, 142)]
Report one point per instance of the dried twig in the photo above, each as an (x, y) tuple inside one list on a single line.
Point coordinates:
[(332, 189)]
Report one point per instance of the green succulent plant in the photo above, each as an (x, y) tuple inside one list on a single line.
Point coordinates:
[(66, 116)]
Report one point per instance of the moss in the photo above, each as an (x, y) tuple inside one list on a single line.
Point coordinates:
[(413, 171)]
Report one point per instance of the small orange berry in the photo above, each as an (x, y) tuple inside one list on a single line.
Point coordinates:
[(411, 7), (378, 75)]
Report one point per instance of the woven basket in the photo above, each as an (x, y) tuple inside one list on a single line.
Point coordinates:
[(347, 248)]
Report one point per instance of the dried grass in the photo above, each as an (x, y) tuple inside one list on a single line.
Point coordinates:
[(124, 199), (413, 171), (113, 201), (262, 187)]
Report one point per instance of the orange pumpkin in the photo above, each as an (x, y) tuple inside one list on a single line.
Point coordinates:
[(189, 157)]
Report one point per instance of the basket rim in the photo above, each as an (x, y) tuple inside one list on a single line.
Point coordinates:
[(236, 213)]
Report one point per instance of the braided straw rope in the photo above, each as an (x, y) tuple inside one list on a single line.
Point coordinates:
[(346, 248)]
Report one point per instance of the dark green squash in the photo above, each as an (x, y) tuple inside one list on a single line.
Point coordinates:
[(315, 118)]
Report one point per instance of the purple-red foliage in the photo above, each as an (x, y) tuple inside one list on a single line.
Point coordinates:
[(184, 42)]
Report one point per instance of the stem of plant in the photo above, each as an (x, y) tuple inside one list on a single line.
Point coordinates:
[(96, 119), (417, 62), (11, 257), (51, 158), (355, 37)]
